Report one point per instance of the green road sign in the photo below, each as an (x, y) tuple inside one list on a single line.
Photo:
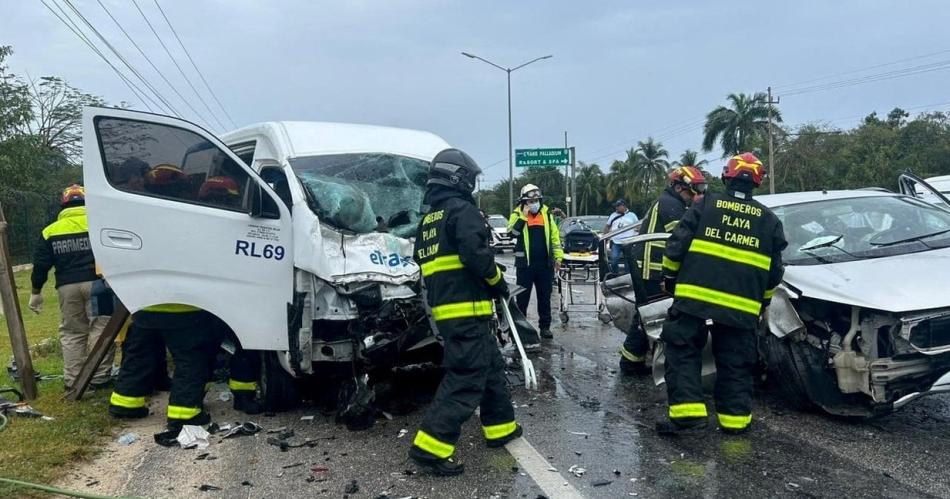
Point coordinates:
[(532, 158)]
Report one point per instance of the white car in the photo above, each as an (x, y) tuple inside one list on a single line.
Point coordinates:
[(501, 238), (295, 234), (853, 328)]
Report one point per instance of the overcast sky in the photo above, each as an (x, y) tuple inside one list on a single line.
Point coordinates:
[(622, 70)]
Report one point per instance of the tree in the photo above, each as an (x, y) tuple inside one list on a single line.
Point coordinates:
[(57, 115), (690, 158), (738, 127), (590, 187), (14, 99), (649, 164), (620, 179)]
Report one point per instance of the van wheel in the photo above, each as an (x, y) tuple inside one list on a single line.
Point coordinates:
[(278, 388)]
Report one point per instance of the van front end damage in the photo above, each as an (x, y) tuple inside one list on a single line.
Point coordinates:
[(855, 361)]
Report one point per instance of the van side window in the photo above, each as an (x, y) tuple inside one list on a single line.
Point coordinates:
[(168, 162)]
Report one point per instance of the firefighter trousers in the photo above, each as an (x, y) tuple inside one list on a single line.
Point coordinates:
[(540, 277), (684, 337), (192, 346), (474, 377), (245, 367)]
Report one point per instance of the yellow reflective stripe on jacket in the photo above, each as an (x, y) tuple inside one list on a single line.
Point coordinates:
[(240, 386), (732, 254), (171, 308), (180, 412), (670, 226), (433, 445), (688, 410), (734, 422), (632, 357), (70, 221), (494, 280), (769, 293), (127, 402), (648, 247), (494, 432), (441, 264), (670, 264), (462, 310), (717, 297)]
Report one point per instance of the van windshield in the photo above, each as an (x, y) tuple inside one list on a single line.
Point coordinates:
[(365, 192)]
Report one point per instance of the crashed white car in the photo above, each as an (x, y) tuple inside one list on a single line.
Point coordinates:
[(295, 234), (861, 322)]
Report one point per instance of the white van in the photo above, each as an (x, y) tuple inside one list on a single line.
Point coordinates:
[(295, 234)]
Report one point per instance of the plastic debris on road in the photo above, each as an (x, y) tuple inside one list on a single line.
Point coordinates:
[(206, 488), (577, 470), (402, 433), (128, 438), (192, 436)]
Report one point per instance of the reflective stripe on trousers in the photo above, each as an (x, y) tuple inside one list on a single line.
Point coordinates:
[(494, 432), (119, 400), (688, 410), (433, 445), (179, 412)]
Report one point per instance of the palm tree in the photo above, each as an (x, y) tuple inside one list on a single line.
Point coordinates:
[(590, 186), (619, 180), (690, 158), (649, 163), (737, 127)]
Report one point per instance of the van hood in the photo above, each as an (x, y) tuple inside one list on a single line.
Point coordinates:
[(902, 283)]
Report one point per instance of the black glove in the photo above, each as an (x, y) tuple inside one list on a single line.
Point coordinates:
[(669, 284), (500, 289)]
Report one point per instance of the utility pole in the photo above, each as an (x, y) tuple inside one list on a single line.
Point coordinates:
[(567, 182), (771, 168), (573, 182)]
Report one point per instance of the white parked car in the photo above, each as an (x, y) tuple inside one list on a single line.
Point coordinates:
[(855, 328), (295, 234), (501, 238)]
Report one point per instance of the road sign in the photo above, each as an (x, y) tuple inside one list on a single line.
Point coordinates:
[(533, 158)]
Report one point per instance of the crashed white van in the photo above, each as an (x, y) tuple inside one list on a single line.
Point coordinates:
[(296, 234)]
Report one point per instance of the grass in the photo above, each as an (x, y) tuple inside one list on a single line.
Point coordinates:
[(35, 450)]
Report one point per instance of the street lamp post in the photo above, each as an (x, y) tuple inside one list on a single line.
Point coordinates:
[(511, 165)]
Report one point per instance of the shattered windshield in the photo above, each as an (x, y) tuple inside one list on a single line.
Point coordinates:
[(842, 230), (365, 192)]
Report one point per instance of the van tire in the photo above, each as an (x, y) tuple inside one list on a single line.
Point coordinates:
[(278, 388)]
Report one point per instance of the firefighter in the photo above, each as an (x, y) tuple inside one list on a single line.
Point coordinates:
[(461, 278), (686, 183), (538, 254), (187, 331), (721, 264), (65, 247)]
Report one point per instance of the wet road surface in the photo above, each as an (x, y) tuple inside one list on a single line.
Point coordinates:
[(586, 415)]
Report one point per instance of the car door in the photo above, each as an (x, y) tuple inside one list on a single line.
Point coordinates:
[(176, 217), (912, 185)]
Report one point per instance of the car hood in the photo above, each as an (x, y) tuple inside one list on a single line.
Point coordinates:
[(902, 283)]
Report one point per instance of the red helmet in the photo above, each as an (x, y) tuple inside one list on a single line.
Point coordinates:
[(220, 187), (164, 175), (73, 195), (690, 176), (744, 166)]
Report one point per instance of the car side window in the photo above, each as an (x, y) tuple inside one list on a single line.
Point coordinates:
[(168, 162)]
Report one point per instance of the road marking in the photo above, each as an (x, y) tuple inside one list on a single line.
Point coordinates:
[(552, 483)]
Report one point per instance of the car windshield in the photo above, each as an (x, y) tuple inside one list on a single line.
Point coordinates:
[(365, 192), (841, 230), (498, 222), (594, 223)]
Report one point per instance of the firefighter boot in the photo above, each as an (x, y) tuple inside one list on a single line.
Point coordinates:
[(684, 427), (246, 402), (434, 465), (500, 442), (632, 368)]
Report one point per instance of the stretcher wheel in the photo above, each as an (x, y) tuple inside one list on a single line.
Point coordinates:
[(565, 317), (604, 317)]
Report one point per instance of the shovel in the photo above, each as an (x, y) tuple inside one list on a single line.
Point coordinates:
[(530, 378)]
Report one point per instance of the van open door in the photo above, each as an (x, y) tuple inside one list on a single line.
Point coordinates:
[(176, 217), (912, 185)]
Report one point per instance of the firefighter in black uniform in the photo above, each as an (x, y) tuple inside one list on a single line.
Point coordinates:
[(461, 278), (187, 331), (686, 184), (721, 264)]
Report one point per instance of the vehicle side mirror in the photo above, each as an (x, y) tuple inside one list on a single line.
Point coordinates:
[(262, 205)]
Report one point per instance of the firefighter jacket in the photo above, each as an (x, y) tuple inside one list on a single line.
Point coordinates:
[(452, 250), (663, 216), (726, 256), (520, 226), (66, 247)]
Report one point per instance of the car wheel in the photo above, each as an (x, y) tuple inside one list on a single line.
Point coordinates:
[(278, 388), (783, 372)]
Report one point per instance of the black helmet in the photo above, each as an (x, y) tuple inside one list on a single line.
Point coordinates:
[(455, 169)]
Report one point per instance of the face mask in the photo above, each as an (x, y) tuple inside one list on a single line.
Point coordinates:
[(534, 208)]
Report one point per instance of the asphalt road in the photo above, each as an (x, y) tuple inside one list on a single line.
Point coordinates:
[(585, 415)]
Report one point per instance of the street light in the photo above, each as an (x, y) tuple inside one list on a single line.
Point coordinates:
[(511, 166)]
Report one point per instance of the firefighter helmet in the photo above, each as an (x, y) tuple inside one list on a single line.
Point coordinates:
[(530, 192), (220, 187), (73, 195), (744, 166), (165, 180), (689, 176), (455, 169)]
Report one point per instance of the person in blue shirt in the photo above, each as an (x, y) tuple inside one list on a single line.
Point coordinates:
[(621, 217)]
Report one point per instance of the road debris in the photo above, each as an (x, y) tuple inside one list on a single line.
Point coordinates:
[(206, 487), (601, 483), (352, 487), (241, 429), (294, 465), (306, 418), (576, 470), (127, 438), (193, 436), (580, 434), (402, 433), (168, 438)]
